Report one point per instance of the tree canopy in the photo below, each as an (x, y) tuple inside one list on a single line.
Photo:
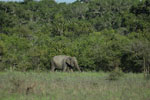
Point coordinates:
[(102, 34)]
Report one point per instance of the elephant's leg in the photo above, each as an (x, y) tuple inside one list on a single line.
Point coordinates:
[(64, 66), (71, 70), (52, 66), (53, 69), (64, 69), (68, 69)]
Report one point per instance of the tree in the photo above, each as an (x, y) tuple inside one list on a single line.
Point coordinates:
[(27, 1)]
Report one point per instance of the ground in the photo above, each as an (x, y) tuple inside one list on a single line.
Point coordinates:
[(72, 86)]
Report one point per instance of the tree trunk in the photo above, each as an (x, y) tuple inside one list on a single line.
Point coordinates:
[(144, 66)]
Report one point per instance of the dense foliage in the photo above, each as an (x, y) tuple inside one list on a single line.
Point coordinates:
[(102, 34)]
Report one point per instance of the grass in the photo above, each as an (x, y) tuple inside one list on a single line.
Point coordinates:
[(72, 86)]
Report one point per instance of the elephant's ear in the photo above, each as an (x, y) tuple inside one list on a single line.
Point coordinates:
[(72, 61), (68, 60)]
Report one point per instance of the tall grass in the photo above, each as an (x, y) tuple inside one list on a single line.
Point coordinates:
[(72, 86)]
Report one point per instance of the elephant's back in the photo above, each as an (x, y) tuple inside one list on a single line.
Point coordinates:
[(59, 58)]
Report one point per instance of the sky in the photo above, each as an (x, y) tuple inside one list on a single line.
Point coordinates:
[(67, 1)]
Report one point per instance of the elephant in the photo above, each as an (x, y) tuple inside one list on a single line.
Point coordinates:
[(64, 63)]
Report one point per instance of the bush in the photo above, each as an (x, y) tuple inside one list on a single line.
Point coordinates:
[(115, 74), (102, 34), (2, 48)]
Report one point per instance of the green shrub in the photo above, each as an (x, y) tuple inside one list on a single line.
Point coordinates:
[(2, 48), (115, 74), (102, 34)]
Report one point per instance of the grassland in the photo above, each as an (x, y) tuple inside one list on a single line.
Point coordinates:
[(72, 86)]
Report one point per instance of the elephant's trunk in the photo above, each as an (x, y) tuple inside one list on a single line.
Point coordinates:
[(77, 66), (79, 69)]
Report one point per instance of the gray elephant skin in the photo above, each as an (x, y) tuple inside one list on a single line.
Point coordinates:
[(63, 62)]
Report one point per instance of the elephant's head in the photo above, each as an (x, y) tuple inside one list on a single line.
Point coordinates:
[(72, 61)]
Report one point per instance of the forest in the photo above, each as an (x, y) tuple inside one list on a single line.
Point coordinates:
[(101, 34)]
